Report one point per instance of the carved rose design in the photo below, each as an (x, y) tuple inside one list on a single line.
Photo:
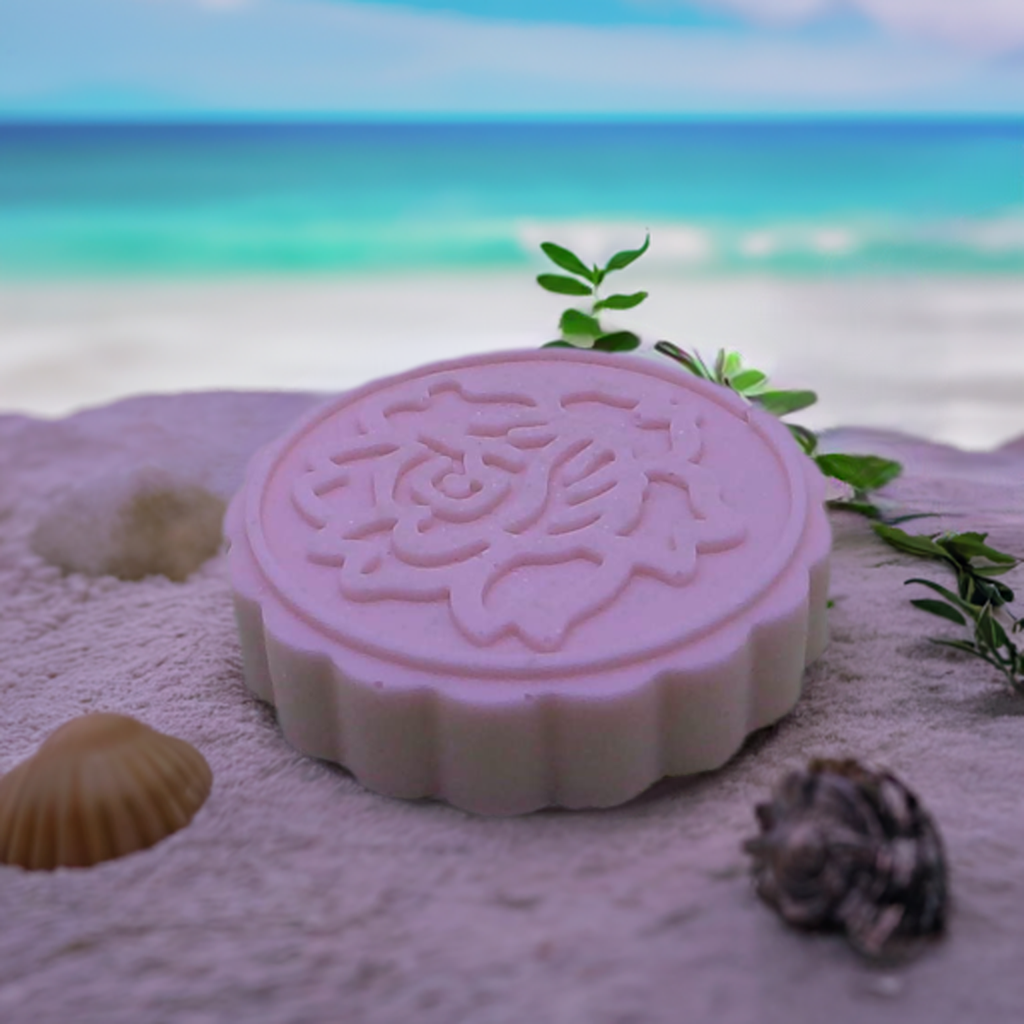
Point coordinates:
[(447, 492)]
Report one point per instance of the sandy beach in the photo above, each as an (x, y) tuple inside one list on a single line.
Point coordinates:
[(297, 895), (939, 358)]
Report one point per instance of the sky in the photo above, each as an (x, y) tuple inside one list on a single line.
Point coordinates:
[(451, 59)]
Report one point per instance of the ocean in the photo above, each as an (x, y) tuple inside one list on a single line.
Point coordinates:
[(728, 199)]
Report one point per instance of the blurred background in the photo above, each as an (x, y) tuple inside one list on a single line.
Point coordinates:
[(311, 193)]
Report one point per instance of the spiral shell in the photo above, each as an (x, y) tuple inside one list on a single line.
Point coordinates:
[(845, 847), (99, 787)]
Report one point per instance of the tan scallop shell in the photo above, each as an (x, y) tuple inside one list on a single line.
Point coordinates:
[(99, 787)]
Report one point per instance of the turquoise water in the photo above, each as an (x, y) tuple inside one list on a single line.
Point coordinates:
[(790, 199)]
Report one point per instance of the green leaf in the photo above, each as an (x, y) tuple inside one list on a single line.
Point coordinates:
[(575, 322), (911, 544), (781, 403), (807, 439), (731, 365), (952, 598), (988, 571), (693, 363), (619, 341), (990, 632), (862, 472), (568, 261), (559, 344), (621, 301), (940, 608), (563, 285), (627, 256), (911, 516), (961, 645), (972, 545), (989, 591), (747, 381), (719, 370), (863, 508)]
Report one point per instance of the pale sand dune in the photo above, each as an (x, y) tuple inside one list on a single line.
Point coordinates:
[(942, 359)]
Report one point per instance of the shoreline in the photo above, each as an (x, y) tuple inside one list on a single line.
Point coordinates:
[(939, 358)]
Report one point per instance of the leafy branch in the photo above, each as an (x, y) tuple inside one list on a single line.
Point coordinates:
[(863, 474), (581, 329), (979, 603)]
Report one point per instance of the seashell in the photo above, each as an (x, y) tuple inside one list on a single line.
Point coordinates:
[(99, 787), (844, 847)]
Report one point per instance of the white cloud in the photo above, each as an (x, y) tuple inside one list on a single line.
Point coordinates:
[(986, 26), (276, 56)]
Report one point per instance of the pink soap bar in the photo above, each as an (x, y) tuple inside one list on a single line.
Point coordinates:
[(531, 578)]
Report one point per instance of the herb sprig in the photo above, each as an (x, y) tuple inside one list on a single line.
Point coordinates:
[(863, 474), (581, 329), (980, 601)]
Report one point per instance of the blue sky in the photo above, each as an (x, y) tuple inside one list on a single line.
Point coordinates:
[(465, 58)]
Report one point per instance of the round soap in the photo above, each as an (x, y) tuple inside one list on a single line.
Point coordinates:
[(531, 578)]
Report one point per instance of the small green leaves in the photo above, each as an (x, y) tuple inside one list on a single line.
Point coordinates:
[(559, 344), (807, 439), (575, 322), (862, 472), (979, 600), (619, 341), (563, 285), (952, 598), (782, 403), (747, 381), (621, 301), (691, 361), (940, 608), (911, 544), (974, 562), (972, 545), (727, 365), (569, 261), (623, 259)]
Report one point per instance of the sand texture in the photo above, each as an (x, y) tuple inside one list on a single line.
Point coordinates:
[(297, 896)]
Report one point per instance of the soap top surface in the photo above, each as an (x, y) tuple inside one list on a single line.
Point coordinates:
[(527, 514)]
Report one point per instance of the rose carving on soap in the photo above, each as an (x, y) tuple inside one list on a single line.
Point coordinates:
[(531, 578), (450, 493)]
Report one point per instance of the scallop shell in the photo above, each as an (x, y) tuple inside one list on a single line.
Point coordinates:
[(846, 847), (99, 787)]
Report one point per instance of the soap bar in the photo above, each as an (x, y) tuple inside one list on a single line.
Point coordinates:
[(529, 579)]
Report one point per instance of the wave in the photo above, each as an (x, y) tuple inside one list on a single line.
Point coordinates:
[(983, 245), (198, 242)]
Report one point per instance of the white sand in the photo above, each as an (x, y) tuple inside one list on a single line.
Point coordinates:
[(942, 359), (296, 896)]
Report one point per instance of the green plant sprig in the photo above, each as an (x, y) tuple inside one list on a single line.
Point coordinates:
[(752, 385), (862, 473), (581, 329), (980, 601)]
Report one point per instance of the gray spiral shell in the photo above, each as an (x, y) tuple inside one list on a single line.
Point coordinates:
[(844, 847)]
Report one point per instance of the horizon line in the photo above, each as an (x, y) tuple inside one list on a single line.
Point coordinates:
[(226, 119)]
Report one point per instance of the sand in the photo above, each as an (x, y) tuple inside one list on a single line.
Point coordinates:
[(942, 358), (297, 896)]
